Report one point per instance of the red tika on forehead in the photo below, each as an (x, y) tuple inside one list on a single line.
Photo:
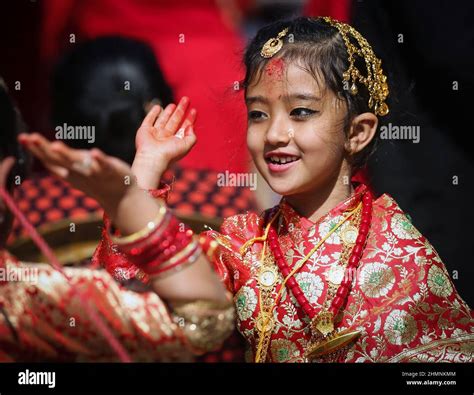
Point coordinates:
[(275, 68)]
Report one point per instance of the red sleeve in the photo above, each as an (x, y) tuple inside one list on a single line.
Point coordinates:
[(224, 248)]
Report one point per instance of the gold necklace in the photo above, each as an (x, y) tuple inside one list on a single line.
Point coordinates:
[(264, 323)]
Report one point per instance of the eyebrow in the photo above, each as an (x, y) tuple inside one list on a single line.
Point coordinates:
[(304, 96), (256, 99), (299, 96)]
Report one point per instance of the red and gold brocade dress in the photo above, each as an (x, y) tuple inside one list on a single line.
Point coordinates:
[(42, 320), (402, 299)]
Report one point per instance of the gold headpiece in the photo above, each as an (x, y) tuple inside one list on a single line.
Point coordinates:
[(273, 45), (376, 80)]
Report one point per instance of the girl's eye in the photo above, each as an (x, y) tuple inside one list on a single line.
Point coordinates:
[(256, 115), (302, 112)]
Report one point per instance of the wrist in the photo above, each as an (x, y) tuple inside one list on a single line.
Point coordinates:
[(131, 209), (148, 169), (113, 203), (162, 247)]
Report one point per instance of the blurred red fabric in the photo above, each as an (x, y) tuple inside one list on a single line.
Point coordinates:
[(339, 9)]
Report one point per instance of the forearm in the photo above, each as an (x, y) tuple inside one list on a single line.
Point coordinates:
[(136, 216), (133, 212), (198, 281)]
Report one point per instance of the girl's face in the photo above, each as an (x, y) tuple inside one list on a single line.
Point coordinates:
[(295, 130)]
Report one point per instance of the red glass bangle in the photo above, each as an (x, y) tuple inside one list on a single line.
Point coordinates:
[(155, 252)]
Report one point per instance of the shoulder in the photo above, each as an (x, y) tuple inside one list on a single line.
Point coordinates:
[(397, 246), (242, 225), (412, 297), (393, 224), (236, 230)]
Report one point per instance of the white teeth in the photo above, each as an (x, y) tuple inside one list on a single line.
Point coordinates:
[(283, 160)]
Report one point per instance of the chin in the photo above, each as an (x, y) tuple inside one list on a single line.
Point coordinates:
[(280, 188)]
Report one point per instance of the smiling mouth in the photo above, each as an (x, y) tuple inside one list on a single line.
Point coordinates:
[(281, 164), (281, 160)]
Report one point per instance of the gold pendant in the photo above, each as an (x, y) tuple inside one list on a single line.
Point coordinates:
[(349, 234), (323, 322), (264, 323), (267, 277), (335, 274), (333, 343)]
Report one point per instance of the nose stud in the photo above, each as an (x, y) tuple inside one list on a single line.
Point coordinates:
[(291, 133)]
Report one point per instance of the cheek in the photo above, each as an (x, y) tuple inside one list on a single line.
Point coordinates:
[(254, 141), (320, 148)]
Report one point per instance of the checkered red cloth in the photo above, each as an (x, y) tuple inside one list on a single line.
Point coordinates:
[(46, 199)]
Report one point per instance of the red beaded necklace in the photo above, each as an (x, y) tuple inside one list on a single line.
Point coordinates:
[(323, 321)]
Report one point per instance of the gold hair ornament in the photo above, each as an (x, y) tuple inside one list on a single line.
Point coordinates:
[(376, 80), (273, 45)]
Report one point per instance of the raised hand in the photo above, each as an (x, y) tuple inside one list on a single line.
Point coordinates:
[(102, 177), (164, 137)]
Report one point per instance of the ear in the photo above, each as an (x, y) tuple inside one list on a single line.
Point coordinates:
[(362, 131)]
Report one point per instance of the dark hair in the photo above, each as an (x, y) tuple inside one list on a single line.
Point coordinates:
[(319, 48), (10, 125), (89, 88)]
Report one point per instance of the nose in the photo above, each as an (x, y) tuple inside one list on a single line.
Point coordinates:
[(278, 133)]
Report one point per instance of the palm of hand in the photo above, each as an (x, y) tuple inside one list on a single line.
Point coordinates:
[(165, 134), (160, 143)]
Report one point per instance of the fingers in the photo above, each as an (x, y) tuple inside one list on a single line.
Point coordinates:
[(189, 137), (165, 115), (44, 151), (41, 148), (110, 164), (23, 138), (58, 171), (152, 115), (73, 160), (67, 154), (190, 119), (177, 118)]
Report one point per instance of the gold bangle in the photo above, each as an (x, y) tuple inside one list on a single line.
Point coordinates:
[(146, 231)]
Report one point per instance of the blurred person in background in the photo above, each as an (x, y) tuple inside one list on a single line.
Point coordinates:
[(102, 87), (198, 45)]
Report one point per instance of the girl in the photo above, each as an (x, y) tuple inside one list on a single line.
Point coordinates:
[(329, 274)]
